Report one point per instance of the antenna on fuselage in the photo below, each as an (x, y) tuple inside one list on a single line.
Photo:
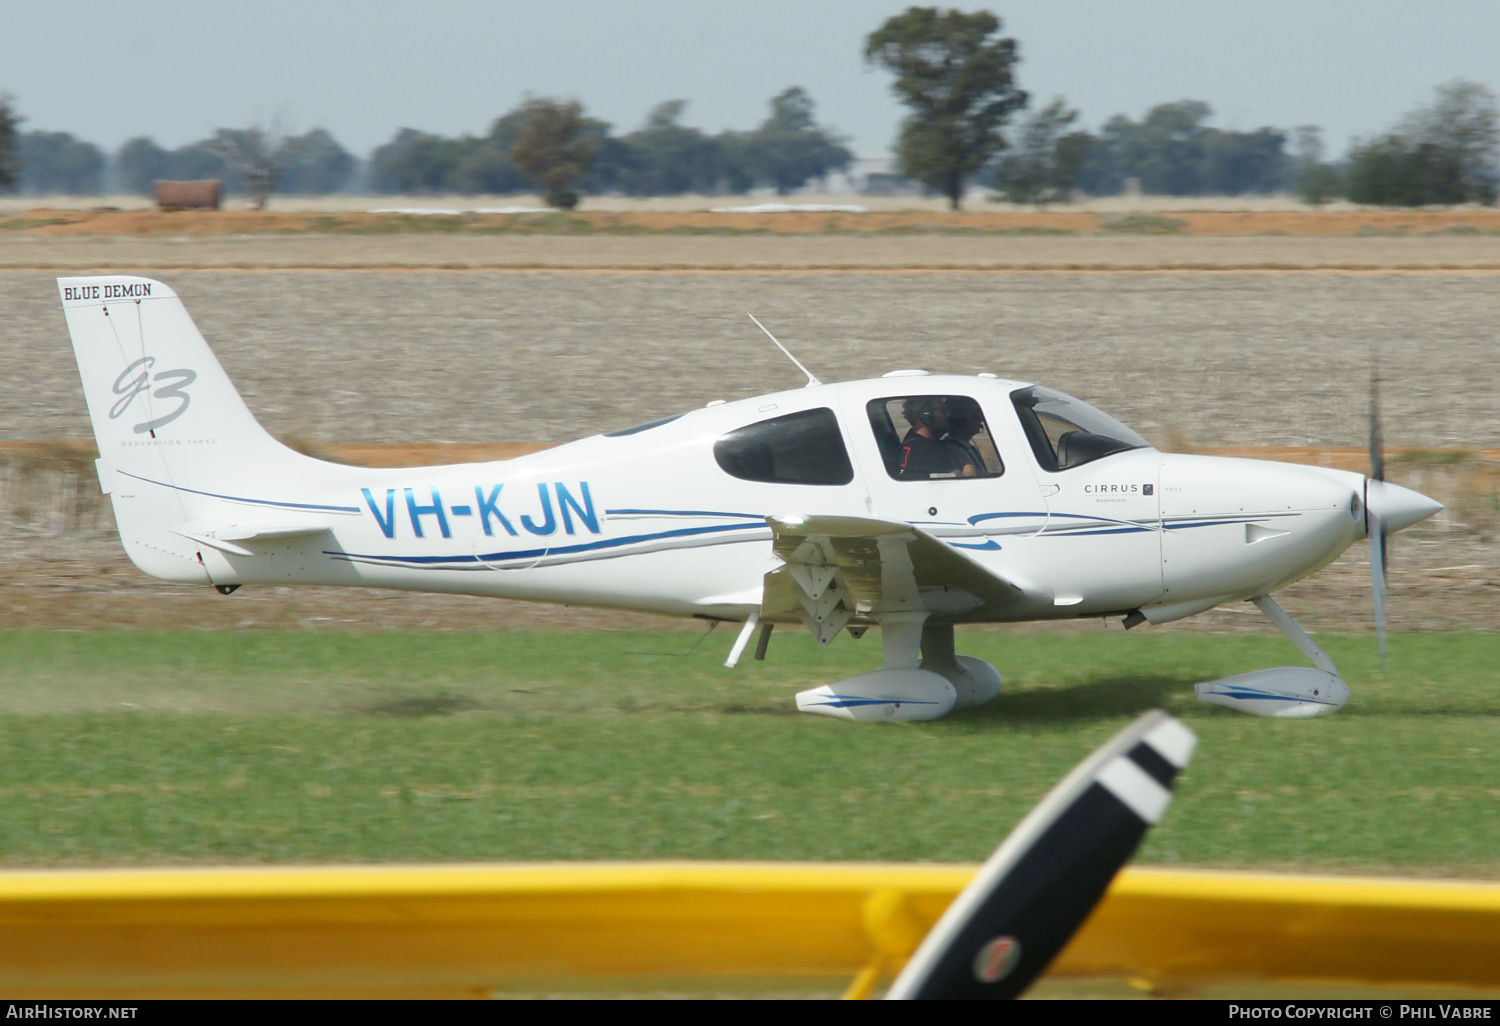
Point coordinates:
[(811, 381)]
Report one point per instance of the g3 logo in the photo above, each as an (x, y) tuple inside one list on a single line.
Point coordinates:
[(137, 378)]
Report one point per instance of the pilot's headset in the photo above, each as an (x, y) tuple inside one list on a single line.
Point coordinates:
[(921, 410)]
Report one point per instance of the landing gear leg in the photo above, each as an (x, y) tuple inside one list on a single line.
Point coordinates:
[(1266, 604), (901, 637), (975, 680), (751, 622), (1285, 692)]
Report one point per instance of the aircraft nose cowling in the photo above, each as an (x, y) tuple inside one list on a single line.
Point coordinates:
[(1398, 507)]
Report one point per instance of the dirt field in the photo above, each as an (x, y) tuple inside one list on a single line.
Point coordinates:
[(709, 252), (700, 240), (1193, 360), (1188, 359), (347, 203), (980, 218)]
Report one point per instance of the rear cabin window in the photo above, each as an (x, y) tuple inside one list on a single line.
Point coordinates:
[(800, 448), (927, 437)]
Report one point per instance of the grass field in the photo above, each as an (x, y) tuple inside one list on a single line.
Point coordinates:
[(134, 748)]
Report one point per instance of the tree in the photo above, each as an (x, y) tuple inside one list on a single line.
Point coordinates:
[(1445, 153), (385, 172), (789, 147), (57, 162), (315, 164), (200, 160), (139, 163), (1043, 166), (9, 119), (1462, 130), (667, 158), (416, 162), (258, 155), (1172, 151), (612, 158), (483, 165), (1393, 171), (955, 73), (1102, 172), (553, 148), (1235, 163), (1170, 148), (1317, 182)]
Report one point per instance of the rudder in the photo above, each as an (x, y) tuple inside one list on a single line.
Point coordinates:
[(168, 422)]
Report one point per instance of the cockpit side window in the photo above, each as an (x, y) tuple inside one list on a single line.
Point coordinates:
[(1065, 432), (800, 448), (925, 437)]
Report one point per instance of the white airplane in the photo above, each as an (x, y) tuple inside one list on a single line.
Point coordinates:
[(911, 502)]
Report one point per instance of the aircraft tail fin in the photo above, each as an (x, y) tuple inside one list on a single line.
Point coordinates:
[(172, 429)]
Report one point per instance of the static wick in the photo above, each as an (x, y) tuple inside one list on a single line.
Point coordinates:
[(811, 380)]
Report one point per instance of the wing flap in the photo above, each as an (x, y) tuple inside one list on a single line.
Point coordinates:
[(837, 568)]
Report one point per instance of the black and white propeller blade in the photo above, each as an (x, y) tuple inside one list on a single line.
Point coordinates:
[(1039, 886)]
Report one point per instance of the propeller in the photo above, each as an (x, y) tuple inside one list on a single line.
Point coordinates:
[(1373, 525)]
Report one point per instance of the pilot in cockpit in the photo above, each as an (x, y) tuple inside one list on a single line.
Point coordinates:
[(922, 454), (964, 423)]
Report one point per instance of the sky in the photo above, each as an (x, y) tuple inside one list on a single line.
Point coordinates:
[(175, 71)]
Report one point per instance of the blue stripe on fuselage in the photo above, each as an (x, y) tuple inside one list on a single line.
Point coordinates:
[(559, 550), (241, 498)]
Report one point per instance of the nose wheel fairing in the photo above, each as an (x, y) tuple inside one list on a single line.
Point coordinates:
[(1285, 692)]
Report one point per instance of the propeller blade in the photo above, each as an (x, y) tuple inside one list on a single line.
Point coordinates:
[(1046, 877), (1377, 445), (1377, 581)]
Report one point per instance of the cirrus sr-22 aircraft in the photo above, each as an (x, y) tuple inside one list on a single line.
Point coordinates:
[(910, 502)]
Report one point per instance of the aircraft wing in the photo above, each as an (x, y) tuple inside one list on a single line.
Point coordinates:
[(836, 568)]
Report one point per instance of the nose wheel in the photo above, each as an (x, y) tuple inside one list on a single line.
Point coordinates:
[(1286, 692)]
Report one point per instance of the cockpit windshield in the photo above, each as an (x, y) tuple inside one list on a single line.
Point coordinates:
[(1065, 432)]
